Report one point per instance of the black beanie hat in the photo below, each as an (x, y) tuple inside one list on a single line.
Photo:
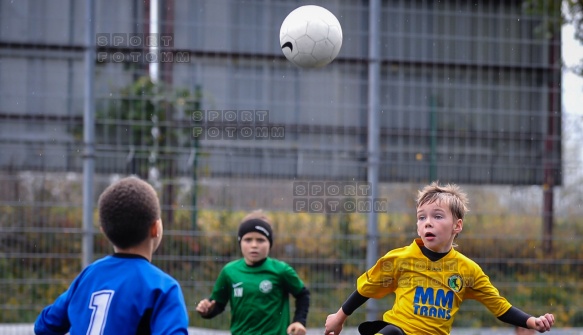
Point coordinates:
[(257, 226)]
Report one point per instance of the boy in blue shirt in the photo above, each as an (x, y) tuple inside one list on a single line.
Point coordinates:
[(122, 293)]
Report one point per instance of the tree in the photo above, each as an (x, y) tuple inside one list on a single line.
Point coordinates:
[(153, 121), (567, 11)]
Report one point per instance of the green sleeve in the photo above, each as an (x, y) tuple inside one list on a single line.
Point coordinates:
[(221, 292), (293, 282)]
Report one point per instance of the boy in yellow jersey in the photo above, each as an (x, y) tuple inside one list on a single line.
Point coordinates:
[(429, 278)]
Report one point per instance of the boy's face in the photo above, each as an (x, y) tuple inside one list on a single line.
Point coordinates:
[(437, 227), (254, 247)]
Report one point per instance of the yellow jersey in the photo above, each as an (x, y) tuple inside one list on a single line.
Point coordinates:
[(428, 294)]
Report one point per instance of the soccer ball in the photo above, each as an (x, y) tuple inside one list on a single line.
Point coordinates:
[(310, 36)]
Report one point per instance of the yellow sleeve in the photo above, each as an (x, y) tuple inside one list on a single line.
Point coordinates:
[(481, 289), (379, 280)]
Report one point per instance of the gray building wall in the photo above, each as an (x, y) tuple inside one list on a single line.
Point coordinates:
[(466, 89)]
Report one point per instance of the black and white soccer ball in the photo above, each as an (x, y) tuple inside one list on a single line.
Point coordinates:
[(310, 36)]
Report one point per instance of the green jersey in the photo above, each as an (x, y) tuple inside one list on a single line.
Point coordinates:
[(259, 296)]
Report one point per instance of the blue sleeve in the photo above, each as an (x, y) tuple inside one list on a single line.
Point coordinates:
[(54, 320), (170, 316)]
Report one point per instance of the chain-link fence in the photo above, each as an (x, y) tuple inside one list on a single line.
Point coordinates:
[(468, 93)]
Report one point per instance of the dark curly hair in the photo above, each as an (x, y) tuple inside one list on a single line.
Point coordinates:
[(127, 210)]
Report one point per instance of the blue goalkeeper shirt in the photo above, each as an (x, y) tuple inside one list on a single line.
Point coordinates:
[(119, 294)]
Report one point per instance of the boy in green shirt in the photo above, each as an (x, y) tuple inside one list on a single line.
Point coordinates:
[(258, 287)]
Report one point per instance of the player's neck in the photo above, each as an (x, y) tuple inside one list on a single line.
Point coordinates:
[(432, 255), (140, 250), (255, 264)]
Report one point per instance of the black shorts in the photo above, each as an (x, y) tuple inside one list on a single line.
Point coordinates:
[(379, 327)]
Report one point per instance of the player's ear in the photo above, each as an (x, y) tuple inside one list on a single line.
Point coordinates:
[(156, 228), (458, 226)]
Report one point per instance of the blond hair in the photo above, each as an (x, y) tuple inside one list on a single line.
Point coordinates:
[(451, 195)]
